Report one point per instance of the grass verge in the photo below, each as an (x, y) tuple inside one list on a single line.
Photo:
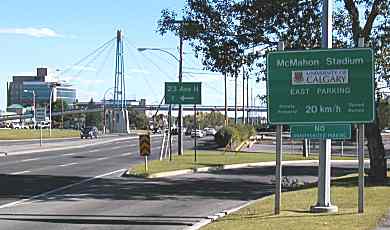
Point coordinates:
[(295, 206), (21, 134), (211, 159)]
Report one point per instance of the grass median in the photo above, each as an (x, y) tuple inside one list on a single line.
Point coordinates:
[(25, 134), (211, 159), (295, 210)]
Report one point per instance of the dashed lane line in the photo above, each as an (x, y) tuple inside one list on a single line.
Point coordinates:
[(31, 159)]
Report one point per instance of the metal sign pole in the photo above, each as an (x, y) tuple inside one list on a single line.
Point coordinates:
[(361, 169), (146, 164), (278, 182), (361, 157), (323, 202), (278, 166), (40, 139), (195, 124)]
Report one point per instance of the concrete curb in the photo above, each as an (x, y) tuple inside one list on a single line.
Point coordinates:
[(236, 166), (224, 213)]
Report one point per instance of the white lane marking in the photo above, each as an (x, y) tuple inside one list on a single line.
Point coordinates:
[(69, 164), (69, 154), (102, 158), (57, 190), (117, 147), (21, 172), (93, 151), (125, 154), (31, 159)]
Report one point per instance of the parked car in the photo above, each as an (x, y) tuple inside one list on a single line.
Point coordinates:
[(210, 131), (89, 132), (16, 125), (197, 133)]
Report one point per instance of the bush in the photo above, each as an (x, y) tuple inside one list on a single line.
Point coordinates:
[(233, 134)]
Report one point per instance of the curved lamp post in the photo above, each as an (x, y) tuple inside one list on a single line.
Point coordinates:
[(180, 115)]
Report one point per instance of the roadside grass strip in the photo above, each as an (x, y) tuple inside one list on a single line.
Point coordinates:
[(25, 134), (215, 159), (296, 204)]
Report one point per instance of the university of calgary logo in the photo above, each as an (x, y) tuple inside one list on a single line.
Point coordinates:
[(297, 77)]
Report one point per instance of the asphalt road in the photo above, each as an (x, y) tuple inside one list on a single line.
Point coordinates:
[(83, 189)]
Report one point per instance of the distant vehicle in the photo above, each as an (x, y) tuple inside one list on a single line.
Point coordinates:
[(387, 130), (197, 133), (43, 125), (16, 125), (188, 132), (210, 131), (89, 132)]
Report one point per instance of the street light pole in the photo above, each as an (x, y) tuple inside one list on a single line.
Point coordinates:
[(180, 115), (50, 102)]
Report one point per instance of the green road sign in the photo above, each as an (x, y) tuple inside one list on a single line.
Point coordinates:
[(320, 86), (188, 93), (321, 131)]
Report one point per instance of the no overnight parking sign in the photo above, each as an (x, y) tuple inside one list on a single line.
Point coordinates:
[(320, 86)]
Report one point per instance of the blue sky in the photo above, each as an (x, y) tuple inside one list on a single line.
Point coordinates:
[(57, 34)]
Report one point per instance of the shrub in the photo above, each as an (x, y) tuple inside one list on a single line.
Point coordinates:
[(233, 134)]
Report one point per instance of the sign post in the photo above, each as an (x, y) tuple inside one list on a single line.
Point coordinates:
[(144, 148), (327, 86)]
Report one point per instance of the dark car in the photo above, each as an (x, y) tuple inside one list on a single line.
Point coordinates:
[(91, 132)]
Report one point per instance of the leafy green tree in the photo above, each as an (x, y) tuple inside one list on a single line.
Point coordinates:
[(138, 119), (220, 30)]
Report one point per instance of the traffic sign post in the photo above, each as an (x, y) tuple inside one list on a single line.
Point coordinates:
[(322, 86), (144, 148), (183, 93), (321, 131)]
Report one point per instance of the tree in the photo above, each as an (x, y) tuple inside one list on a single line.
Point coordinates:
[(263, 23), (137, 119)]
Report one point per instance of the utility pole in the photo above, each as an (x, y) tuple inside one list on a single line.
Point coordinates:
[(226, 112), (243, 95), (247, 100), (235, 98)]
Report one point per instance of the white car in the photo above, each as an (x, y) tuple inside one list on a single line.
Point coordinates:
[(210, 131), (197, 133)]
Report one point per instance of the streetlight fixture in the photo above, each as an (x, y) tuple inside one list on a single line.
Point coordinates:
[(180, 113), (33, 93)]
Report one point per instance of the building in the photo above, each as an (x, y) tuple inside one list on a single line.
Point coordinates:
[(22, 89)]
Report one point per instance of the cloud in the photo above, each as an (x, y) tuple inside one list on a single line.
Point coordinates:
[(31, 31)]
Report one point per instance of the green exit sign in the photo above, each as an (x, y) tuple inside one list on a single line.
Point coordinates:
[(183, 93), (321, 131)]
